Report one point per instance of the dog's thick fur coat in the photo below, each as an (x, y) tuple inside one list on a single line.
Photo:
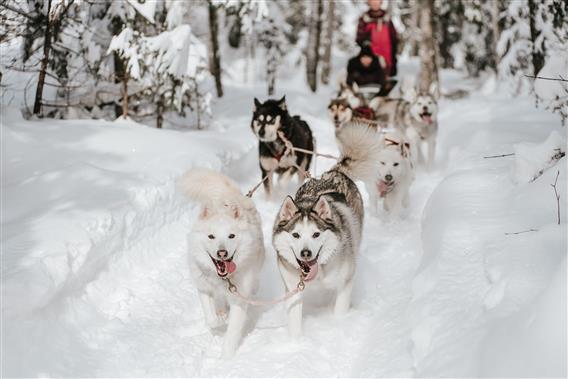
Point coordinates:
[(416, 118), (269, 119), (394, 176), (318, 233), (226, 241)]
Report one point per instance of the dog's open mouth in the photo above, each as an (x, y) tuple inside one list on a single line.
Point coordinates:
[(224, 268), (426, 117), (337, 124), (384, 187), (309, 268)]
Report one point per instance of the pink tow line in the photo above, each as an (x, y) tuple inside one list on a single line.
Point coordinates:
[(233, 290)]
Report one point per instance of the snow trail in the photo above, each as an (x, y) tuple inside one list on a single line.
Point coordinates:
[(116, 298)]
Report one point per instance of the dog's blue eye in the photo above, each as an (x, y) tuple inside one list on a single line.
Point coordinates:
[(211, 236), (395, 164), (231, 236), (316, 235), (295, 235)]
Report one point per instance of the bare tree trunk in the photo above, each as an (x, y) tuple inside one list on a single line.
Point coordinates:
[(44, 61), (414, 29), (198, 105), (125, 94), (271, 78), (428, 49), (214, 56), (312, 53), (328, 43), (160, 112), (496, 32), (537, 56)]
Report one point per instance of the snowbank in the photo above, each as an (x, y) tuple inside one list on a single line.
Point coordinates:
[(491, 246), (89, 210)]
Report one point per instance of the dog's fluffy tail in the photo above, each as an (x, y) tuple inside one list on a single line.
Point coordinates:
[(211, 188), (360, 150)]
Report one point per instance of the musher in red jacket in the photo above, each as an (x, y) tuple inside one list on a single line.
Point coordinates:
[(376, 30)]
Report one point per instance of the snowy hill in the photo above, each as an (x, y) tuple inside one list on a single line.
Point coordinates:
[(95, 280)]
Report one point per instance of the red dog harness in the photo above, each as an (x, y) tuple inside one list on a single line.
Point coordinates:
[(364, 112)]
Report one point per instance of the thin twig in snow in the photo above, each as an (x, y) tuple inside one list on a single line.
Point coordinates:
[(499, 156), (557, 195), (561, 79), (521, 232)]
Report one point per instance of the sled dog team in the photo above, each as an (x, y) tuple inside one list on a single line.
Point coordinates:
[(316, 233)]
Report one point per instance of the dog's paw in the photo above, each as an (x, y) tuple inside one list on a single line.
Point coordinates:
[(295, 331), (229, 350), (215, 322), (341, 309)]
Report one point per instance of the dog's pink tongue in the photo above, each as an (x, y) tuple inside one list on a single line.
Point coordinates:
[(427, 119), (231, 267), (314, 267), (383, 188)]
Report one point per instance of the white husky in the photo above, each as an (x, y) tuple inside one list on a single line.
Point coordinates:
[(394, 177), (225, 246)]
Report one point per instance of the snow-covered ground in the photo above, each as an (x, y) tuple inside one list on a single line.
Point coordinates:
[(95, 280)]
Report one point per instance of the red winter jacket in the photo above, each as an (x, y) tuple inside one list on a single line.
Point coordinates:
[(376, 29)]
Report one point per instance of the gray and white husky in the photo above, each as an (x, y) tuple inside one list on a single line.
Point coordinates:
[(416, 117), (318, 232), (225, 243)]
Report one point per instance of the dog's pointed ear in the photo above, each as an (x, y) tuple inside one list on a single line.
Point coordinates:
[(374, 103), (322, 208), (411, 94), (236, 212), (256, 104), (355, 87), (282, 103), (287, 210), (405, 149), (205, 213), (433, 89)]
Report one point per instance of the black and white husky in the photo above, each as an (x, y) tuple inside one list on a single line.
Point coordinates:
[(270, 118), (317, 233), (416, 117), (226, 243)]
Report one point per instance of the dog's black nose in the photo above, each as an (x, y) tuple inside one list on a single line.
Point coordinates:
[(261, 131), (424, 108), (222, 254), (388, 177), (305, 253)]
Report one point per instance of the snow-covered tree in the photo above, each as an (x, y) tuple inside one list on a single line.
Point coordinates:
[(534, 43), (271, 32), (554, 34), (514, 46), (169, 67)]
